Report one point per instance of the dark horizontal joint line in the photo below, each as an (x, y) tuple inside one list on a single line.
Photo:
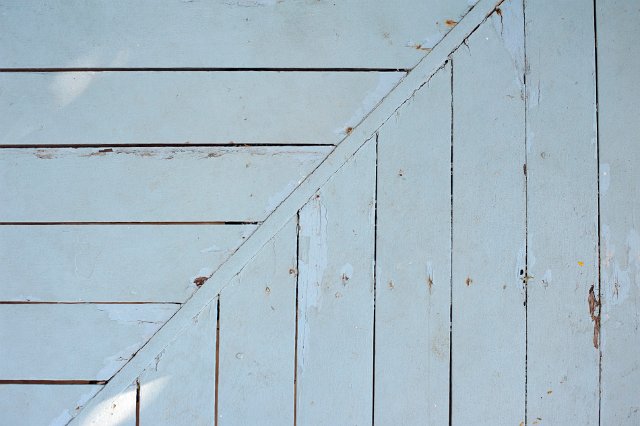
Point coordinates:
[(53, 382), (235, 223), (29, 302), (202, 69), (167, 145)]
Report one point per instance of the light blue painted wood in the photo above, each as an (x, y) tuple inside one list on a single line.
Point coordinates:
[(150, 184), (118, 410), (36, 405), (335, 297), (186, 107), (74, 342), (257, 337), (413, 260), (114, 263), (619, 130), (283, 213), (562, 383), (238, 33), (488, 330), (179, 386)]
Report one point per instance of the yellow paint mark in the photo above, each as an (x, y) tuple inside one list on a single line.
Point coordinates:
[(581, 263)]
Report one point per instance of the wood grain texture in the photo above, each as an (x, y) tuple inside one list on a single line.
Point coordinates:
[(150, 184), (278, 219), (335, 297), (114, 263), (562, 382), (74, 342), (413, 260), (180, 384), (140, 108), (618, 24), (242, 33), (33, 405), (488, 329), (257, 337)]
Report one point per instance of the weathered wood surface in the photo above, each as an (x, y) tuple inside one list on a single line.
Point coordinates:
[(413, 260), (283, 213), (114, 263), (32, 405), (179, 386), (150, 184), (562, 210), (65, 108), (257, 337), (335, 297), (488, 329), (74, 342), (121, 410), (243, 33), (618, 27)]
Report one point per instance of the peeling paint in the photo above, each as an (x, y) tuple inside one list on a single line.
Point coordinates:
[(312, 265), (68, 414), (274, 200), (386, 82), (509, 25)]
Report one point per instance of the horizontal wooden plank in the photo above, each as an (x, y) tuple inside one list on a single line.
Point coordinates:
[(74, 342), (149, 184), (238, 33), (186, 107), (52, 405), (113, 263)]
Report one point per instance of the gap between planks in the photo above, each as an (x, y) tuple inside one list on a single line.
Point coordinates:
[(200, 69), (53, 382), (217, 223), (391, 103), (186, 144)]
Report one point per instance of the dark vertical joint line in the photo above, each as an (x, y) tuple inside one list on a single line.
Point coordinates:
[(599, 242), (295, 344), (375, 277), (526, 215), (451, 259), (137, 402), (217, 366)]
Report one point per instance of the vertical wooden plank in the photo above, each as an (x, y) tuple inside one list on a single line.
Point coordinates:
[(179, 386), (52, 405), (257, 337), (335, 297), (488, 329), (562, 380), (118, 410), (413, 260), (618, 29)]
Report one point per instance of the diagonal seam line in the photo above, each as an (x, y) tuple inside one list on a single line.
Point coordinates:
[(361, 134)]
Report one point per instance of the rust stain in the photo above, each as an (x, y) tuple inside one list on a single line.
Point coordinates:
[(200, 280), (450, 23), (580, 263), (348, 130), (549, 392), (421, 47), (430, 282), (594, 312), (468, 281), (499, 12)]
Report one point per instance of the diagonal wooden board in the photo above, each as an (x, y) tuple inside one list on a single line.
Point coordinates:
[(416, 79)]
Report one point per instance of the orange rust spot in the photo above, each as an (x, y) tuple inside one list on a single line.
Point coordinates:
[(468, 281), (200, 280), (348, 130), (499, 12), (594, 305), (450, 23)]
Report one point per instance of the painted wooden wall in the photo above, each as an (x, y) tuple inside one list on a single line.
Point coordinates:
[(319, 213)]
